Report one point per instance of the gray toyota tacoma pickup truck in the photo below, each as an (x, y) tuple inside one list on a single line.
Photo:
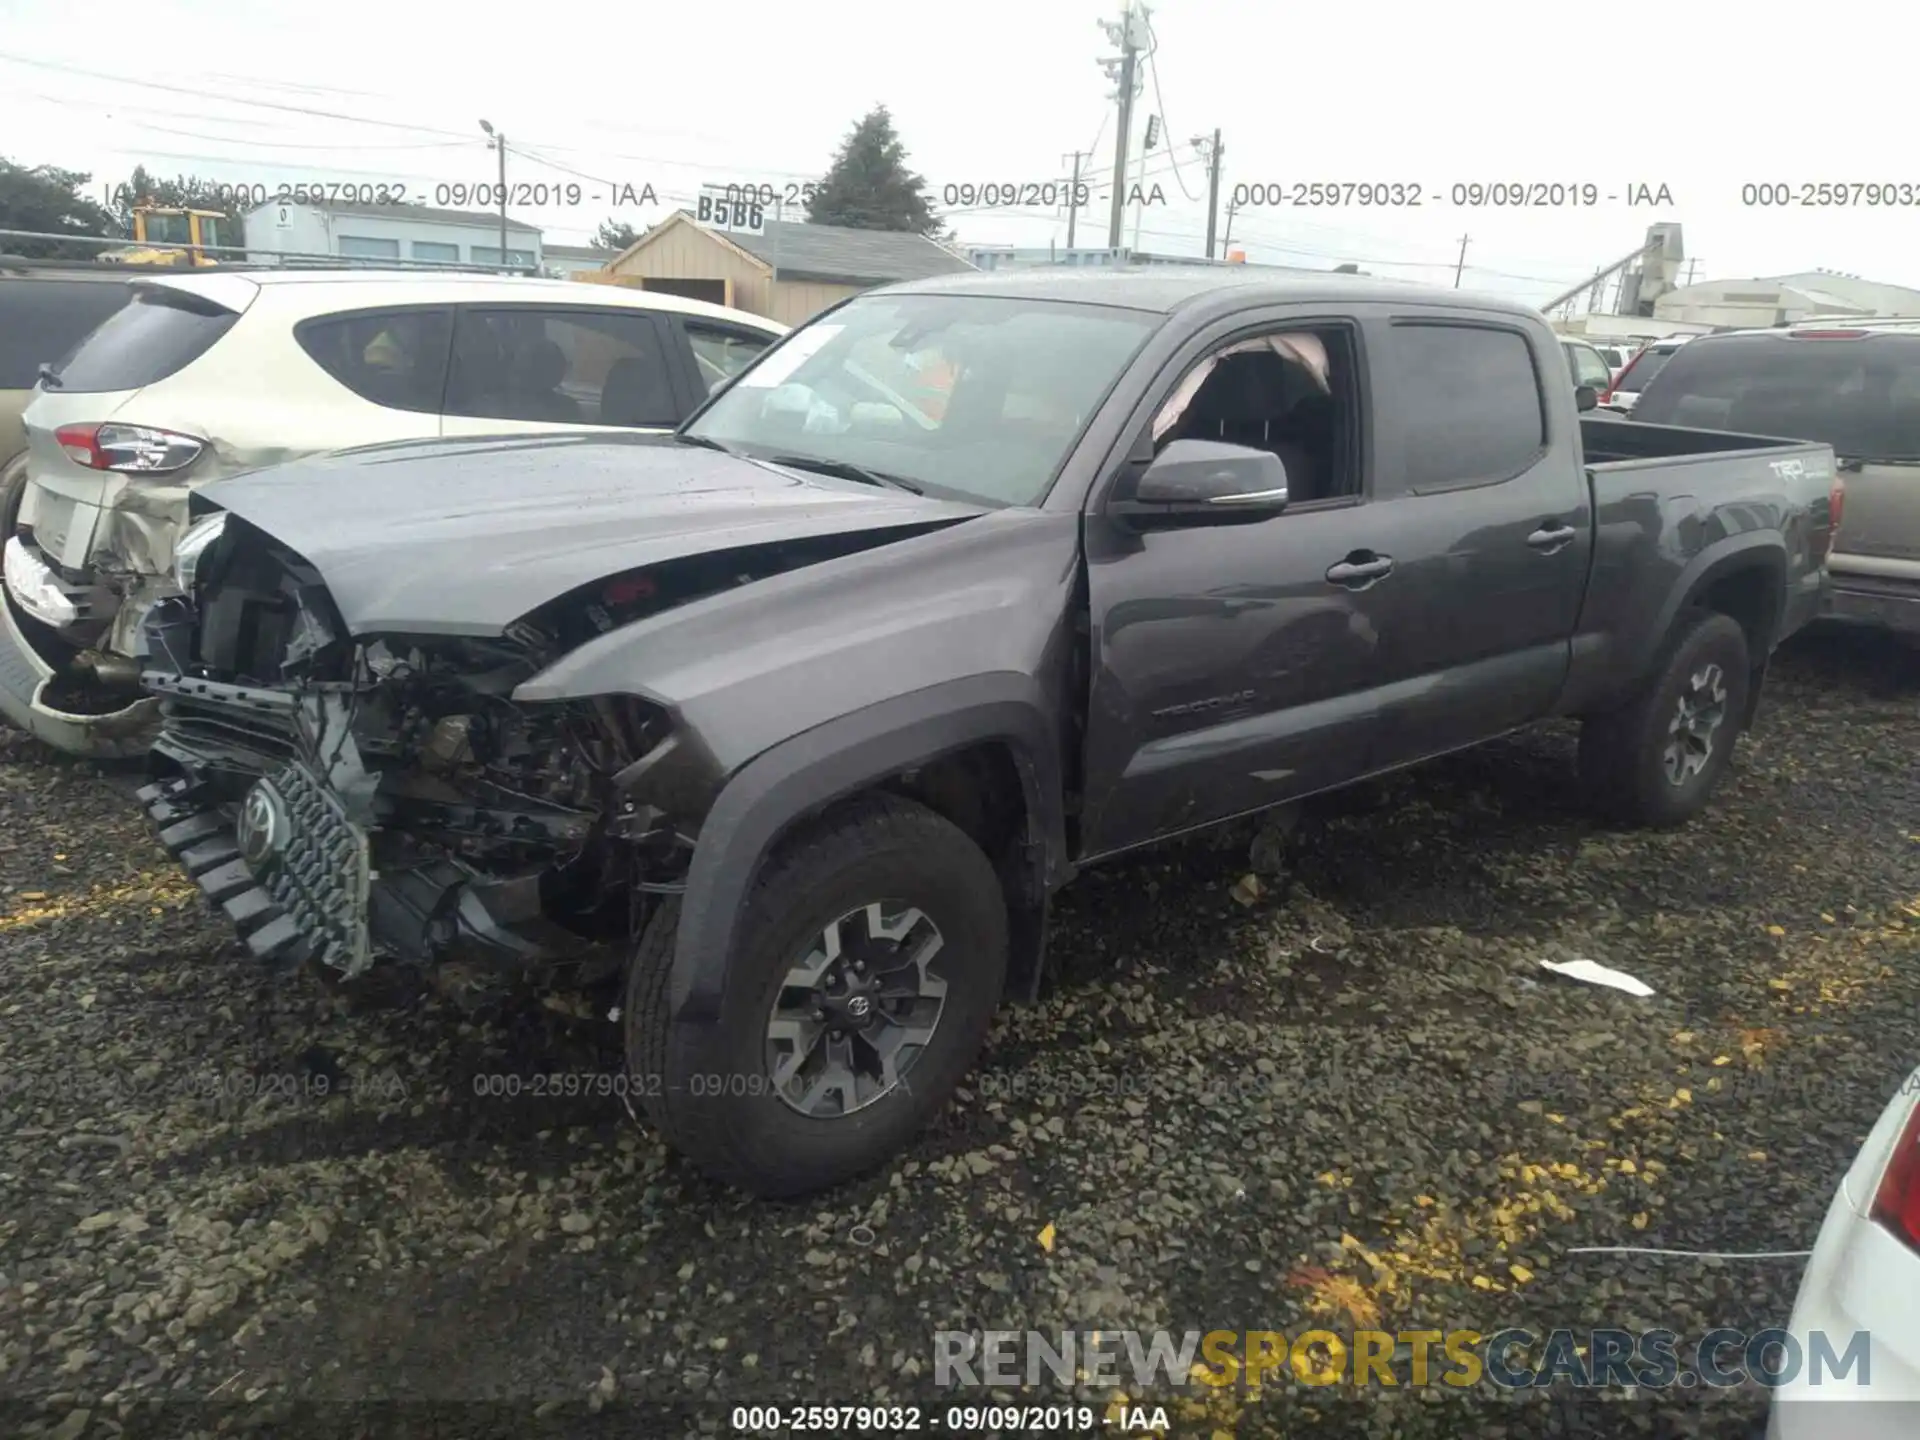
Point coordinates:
[(801, 715)]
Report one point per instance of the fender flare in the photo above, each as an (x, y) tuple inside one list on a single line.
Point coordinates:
[(810, 771), (1756, 550)]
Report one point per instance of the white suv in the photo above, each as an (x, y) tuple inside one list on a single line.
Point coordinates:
[(203, 376)]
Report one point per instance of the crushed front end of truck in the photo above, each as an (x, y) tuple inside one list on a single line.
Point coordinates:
[(344, 800)]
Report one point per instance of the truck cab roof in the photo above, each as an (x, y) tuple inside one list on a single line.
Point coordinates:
[(1165, 289)]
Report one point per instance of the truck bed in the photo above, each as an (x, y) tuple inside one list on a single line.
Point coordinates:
[(1665, 500), (1618, 444)]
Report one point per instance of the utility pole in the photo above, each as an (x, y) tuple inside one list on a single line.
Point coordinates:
[(499, 142), (1226, 241), (1073, 197), (1126, 73), (1211, 149), (1461, 263), (1690, 269), (1147, 144)]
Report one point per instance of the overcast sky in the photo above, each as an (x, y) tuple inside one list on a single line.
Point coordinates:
[(1699, 98)]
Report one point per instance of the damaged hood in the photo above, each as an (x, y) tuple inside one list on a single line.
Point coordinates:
[(463, 537)]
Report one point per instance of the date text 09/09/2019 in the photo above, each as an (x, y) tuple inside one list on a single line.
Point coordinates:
[(445, 195)]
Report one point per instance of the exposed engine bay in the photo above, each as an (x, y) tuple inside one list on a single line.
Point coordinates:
[(386, 796)]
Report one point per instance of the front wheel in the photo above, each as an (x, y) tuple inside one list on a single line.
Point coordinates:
[(1656, 760), (863, 979)]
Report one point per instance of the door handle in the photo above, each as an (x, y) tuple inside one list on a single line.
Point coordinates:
[(1360, 569), (1551, 537)]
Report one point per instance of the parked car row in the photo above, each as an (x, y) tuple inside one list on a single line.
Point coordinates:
[(1852, 385), (1639, 370)]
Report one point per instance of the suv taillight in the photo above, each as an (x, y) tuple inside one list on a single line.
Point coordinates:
[(128, 449), (1897, 1204), (1836, 505)]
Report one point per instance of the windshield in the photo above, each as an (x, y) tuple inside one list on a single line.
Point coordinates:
[(976, 397), (1861, 396), (1642, 370)]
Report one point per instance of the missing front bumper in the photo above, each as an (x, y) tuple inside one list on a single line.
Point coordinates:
[(290, 871)]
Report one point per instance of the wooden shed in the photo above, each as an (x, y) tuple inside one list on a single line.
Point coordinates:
[(790, 273)]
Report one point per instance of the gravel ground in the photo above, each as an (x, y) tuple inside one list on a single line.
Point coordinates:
[(1349, 1098)]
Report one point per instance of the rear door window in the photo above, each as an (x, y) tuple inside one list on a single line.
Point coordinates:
[(158, 335), (395, 358), (42, 322), (1469, 403), (721, 352), (567, 367), (1861, 396), (1589, 368)]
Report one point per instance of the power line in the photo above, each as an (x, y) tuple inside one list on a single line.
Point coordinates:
[(202, 95), (291, 145), (1160, 106)]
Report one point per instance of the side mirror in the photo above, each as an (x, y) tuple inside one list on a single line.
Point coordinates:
[(1207, 479), (1585, 397)]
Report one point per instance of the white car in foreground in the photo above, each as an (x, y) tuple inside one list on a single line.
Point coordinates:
[(1863, 1278)]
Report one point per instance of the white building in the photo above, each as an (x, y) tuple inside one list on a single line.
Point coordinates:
[(562, 261), (1785, 299), (388, 232)]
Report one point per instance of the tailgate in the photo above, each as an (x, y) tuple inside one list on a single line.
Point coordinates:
[(1881, 520)]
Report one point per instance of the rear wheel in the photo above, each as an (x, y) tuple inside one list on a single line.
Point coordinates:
[(864, 976), (1656, 760)]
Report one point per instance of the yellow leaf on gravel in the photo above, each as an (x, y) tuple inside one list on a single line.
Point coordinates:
[(1723, 1059), (1045, 1238), (1640, 1221), (1682, 1037), (1520, 1273), (1826, 917), (1776, 929), (1480, 1282), (1757, 1155)]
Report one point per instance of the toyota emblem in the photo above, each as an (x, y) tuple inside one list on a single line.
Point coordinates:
[(262, 827), (858, 1006)]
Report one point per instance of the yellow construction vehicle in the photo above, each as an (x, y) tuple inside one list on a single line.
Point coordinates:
[(158, 228)]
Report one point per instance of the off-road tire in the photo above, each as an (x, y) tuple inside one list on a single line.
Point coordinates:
[(1623, 751), (706, 1088)]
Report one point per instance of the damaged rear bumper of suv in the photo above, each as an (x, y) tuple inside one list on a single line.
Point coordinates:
[(39, 694)]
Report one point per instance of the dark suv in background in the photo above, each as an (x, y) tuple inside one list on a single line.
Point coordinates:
[(1854, 385)]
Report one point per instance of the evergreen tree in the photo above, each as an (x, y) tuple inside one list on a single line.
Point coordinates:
[(870, 187), (614, 235), (49, 200)]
